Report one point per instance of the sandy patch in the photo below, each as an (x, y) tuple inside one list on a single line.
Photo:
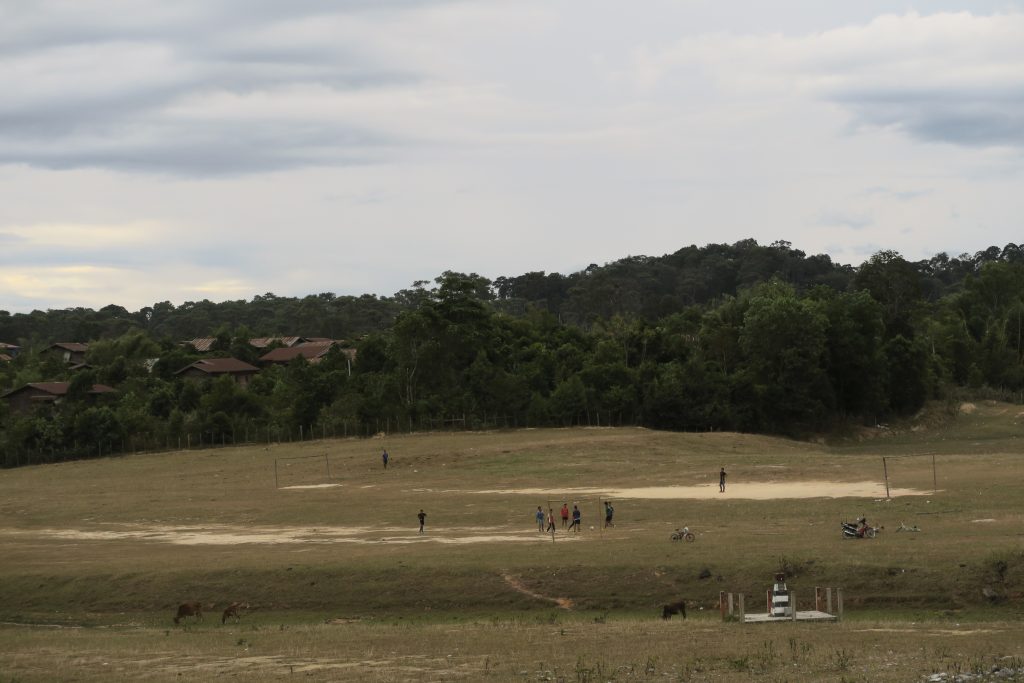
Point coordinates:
[(748, 491), (232, 535), (982, 521), (311, 486), (930, 631)]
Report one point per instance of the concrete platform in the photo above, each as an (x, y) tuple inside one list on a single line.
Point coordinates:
[(809, 615)]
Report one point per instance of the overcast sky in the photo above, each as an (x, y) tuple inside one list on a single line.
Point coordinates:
[(219, 149)]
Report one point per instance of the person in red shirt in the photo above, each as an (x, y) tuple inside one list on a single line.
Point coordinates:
[(565, 515)]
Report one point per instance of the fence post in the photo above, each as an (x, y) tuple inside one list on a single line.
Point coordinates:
[(743, 611), (839, 603), (792, 603)]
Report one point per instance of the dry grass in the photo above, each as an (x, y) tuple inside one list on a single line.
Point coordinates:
[(545, 647), (94, 556)]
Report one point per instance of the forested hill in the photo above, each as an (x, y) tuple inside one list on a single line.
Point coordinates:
[(724, 337), (645, 287)]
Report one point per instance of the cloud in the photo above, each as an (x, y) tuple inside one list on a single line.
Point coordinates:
[(105, 85), (88, 285), (950, 77), (85, 247), (854, 221)]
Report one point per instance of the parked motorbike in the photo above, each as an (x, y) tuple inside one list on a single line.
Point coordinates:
[(683, 534), (859, 529)]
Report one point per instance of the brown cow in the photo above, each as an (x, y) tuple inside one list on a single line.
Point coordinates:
[(234, 610), (189, 609), (673, 608)]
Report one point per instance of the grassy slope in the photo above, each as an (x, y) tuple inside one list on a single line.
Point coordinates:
[(622, 574)]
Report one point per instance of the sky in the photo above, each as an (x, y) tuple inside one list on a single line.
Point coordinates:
[(219, 149)]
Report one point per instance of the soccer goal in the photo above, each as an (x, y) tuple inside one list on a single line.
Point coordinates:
[(913, 471), (302, 470), (591, 511)]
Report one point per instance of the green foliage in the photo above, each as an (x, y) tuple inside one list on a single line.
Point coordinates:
[(906, 362), (742, 336), (783, 341)]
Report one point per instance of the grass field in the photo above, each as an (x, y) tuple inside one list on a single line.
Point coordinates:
[(95, 556)]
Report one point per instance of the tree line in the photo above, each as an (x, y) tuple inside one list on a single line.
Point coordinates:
[(726, 337)]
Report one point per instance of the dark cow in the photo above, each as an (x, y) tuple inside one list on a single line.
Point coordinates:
[(189, 609), (673, 608), (234, 610)]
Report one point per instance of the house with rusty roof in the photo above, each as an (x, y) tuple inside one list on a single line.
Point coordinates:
[(8, 352), (208, 368), (200, 344), (312, 351), (35, 394), (71, 353), (205, 344), (286, 342)]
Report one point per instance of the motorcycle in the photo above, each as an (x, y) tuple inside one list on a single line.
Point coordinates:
[(859, 529), (683, 534)]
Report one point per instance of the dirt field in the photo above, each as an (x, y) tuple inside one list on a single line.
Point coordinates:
[(95, 556)]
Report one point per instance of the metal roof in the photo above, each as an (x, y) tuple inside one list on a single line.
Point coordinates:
[(264, 342), (60, 388), (308, 350), (216, 366), (70, 346)]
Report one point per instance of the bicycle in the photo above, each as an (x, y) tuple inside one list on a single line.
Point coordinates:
[(683, 534)]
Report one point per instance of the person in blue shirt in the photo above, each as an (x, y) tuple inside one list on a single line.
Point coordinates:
[(385, 457), (540, 519), (576, 518)]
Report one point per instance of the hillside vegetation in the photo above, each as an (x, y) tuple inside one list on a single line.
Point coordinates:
[(775, 351)]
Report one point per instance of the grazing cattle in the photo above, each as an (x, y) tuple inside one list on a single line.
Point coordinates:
[(189, 609), (234, 610), (673, 608)]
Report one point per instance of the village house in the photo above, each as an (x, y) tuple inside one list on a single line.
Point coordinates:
[(71, 353), (312, 351), (207, 368), (8, 352), (46, 393), (205, 344)]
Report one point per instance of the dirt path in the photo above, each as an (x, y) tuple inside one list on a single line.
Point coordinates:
[(564, 603), (770, 490)]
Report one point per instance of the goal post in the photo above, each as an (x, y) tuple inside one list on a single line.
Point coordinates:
[(555, 504), (302, 468), (917, 470)]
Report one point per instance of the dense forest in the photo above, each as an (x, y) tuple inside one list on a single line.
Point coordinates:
[(739, 337)]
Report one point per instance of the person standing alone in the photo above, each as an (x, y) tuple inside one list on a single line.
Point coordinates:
[(385, 457), (422, 516), (721, 481)]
